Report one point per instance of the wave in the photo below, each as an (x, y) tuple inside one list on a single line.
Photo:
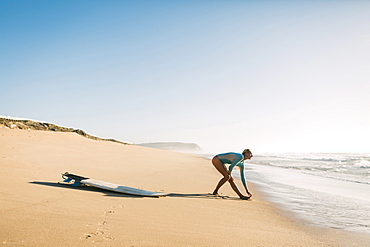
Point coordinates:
[(362, 164), (344, 167)]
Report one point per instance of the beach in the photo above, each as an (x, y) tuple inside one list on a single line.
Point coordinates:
[(37, 211)]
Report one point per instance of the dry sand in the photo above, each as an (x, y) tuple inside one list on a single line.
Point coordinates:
[(37, 211)]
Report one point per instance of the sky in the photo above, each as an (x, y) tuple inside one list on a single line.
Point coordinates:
[(272, 76)]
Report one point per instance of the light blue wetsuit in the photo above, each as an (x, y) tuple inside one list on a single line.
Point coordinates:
[(234, 159)]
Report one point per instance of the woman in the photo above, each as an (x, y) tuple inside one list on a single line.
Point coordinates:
[(234, 159)]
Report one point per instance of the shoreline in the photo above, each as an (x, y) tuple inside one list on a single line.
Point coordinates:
[(314, 198), (31, 164), (341, 237)]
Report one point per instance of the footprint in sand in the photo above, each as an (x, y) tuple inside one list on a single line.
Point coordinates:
[(108, 238), (100, 232), (109, 212), (95, 235), (103, 223), (87, 236)]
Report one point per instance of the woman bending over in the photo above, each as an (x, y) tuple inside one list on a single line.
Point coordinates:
[(234, 159)]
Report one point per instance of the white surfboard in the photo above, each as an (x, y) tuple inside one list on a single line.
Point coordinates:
[(120, 188), (108, 186)]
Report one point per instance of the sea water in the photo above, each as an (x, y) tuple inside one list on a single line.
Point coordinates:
[(330, 190)]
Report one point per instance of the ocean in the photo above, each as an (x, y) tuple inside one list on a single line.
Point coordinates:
[(327, 190)]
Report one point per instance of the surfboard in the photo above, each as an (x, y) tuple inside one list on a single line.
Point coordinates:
[(76, 180)]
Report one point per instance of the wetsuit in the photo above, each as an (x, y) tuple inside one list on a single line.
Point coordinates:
[(234, 159)]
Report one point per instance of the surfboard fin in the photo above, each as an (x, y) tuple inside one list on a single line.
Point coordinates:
[(69, 178)]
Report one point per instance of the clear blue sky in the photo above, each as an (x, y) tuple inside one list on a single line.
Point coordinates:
[(273, 76)]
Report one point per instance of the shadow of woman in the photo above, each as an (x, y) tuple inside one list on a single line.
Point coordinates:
[(202, 196)]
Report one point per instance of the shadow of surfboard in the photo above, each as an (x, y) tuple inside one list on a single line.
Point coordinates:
[(85, 188), (117, 194)]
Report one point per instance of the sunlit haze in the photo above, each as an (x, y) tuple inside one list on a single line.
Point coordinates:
[(272, 76)]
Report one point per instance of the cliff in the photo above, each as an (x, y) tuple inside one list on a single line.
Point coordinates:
[(14, 123)]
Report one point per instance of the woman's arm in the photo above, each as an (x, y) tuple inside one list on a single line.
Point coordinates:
[(242, 176), (235, 162)]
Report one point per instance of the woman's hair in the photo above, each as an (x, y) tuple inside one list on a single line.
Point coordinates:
[(246, 151)]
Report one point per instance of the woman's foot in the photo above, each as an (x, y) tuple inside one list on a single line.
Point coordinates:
[(245, 197)]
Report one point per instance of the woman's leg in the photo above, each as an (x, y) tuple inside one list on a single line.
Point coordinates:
[(236, 189), (223, 170)]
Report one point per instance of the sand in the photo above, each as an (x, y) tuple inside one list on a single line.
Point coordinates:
[(37, 211)]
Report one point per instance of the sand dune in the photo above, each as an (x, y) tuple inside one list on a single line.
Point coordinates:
[(37, 211)]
